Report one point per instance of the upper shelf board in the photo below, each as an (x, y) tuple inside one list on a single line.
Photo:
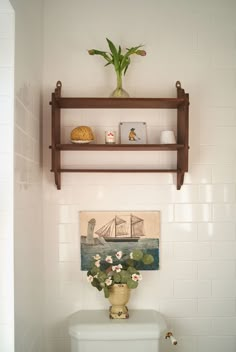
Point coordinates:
[(121, 103)]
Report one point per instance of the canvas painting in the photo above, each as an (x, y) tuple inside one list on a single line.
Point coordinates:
[(107, 232)]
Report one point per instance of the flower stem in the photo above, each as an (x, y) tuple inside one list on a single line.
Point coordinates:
[(119, 80)]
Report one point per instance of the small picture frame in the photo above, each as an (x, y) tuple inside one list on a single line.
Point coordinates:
[(133, 133)]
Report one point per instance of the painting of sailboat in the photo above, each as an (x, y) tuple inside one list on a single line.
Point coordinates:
[(119, 229), (105, 232)]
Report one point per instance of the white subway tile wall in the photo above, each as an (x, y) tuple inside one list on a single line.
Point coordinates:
[(195, 288), (6, 177), (216, 343), (28, 222)]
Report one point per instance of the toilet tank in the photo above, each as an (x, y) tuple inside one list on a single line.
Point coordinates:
[(93, 330)]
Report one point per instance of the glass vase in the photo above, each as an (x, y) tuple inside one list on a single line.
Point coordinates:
[(119, 92)]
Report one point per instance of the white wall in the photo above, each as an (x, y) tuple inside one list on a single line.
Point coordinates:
[(28, 177), (6, 176), (191, 41)]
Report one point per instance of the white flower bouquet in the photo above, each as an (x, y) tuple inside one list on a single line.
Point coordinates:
[(117, 269)]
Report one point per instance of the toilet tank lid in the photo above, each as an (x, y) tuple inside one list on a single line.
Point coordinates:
[(96, 325)]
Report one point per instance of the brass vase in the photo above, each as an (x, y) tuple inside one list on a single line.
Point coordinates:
[(119, 297)]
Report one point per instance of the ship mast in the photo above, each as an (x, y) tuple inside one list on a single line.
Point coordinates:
[(115, 225), (131, 227)]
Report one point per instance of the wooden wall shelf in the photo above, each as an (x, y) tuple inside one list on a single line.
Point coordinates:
[(119, 147), (180, 103), (120, 103)]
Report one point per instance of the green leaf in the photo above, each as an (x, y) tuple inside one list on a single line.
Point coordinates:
[(133, 49), (126, 59), (124, 276), (114, 54), (102, 276), (124, 62), (126, 68), (102, 53), (106, 292), (137, 254), (131, 270), (132, 284), (117, 278), (96, 283), (129, 262), (147, 259), (94, 270)]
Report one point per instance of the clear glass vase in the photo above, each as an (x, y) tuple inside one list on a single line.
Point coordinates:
[(119, 92)]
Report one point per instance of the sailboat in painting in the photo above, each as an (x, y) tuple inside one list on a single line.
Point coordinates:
[(120, 230)]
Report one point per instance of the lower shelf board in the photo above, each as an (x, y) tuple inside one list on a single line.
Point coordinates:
[(118, 147), (179, 173), (121, 170)]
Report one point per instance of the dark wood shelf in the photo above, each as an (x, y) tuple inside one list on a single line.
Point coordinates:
[(119, 103), (119, 147), (121, 170), (180, 103)]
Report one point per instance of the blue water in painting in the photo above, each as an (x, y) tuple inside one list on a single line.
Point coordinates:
[(149, 245)]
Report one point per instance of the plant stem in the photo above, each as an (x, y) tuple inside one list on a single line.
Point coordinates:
[(119, 80)]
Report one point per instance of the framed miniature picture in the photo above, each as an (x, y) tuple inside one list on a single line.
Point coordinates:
[(133, 133)]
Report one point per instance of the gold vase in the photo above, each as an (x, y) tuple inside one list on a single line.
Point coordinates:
[(119, 297)]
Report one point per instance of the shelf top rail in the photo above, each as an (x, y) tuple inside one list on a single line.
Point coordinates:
[(117, 103)]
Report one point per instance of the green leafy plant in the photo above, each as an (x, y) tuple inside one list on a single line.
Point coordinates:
[(119, 60), (117, 269)]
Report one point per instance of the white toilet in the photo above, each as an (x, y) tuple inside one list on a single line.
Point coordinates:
[(93, 330)]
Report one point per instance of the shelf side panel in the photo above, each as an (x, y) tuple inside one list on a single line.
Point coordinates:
[(183, 136), (56, 135)]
